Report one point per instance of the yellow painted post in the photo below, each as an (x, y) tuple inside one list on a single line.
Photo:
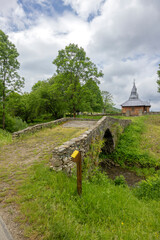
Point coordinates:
[(76, 157)]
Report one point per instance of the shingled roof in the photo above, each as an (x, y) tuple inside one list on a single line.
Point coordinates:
[(134, 100)]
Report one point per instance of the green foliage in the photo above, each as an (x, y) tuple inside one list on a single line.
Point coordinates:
[(9, 66), (158, 81), (93, 101), (108, 105), (14, 124), (129, 151), (120, 180), (5, 137), (91, 161), (74, 89), (76, 69), (149, 189)]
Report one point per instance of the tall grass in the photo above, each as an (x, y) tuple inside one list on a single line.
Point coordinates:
[(130, 150), (53, 210), (5, 137)]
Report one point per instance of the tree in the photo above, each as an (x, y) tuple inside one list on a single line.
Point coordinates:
[(76, 70), (107, 101), (92, 95), (158, 81), (9, 65)]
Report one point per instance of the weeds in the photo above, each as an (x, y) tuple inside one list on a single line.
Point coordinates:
[(91, 161), (149, 189), (130, 150), (120, 180), (53, 210), (5, 137)]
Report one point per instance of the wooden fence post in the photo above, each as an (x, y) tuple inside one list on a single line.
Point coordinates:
[(76, 157)]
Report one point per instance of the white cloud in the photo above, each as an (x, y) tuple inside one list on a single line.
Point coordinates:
[(122, 40), (39, 45), (7, 5), (11, 14), (85, 8)]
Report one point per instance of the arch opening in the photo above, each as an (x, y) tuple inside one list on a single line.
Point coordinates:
[(108, 142)]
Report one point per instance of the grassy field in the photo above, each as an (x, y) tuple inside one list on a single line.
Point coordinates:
[(45, 204)]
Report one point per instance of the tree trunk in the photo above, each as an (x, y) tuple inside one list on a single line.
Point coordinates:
[(74, 111), (3, 102)]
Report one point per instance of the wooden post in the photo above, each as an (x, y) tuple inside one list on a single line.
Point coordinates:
[(76, 157)]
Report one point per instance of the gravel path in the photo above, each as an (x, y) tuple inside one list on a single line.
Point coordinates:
[(79, 124)]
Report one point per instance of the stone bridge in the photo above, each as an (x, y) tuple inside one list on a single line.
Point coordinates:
[(106, 128)]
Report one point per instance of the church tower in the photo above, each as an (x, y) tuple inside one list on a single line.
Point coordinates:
[(134, 106)]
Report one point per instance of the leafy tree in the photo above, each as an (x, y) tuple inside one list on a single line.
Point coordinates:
[(48, 97), (158, 81), (76, 69), (108, 104), (13, 103), (92, 95), (9, 65)]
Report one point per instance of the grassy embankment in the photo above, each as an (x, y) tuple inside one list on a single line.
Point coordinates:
[(50, 208), (139, 146)]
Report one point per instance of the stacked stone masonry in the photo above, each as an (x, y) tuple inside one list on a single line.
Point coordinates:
[(61, 156), (38, 127)]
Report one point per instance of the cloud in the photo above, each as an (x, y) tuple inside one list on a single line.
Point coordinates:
[(121, 38), (85, 8), (38, 45), (12, 15), (124, 41)]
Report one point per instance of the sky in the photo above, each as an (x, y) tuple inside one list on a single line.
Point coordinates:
[(121, 37)]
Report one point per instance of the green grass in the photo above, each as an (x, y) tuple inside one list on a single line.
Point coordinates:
[(51, 209), (48, 204), (139, 145), (5, 137)]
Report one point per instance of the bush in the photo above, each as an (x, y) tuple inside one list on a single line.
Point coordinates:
[(149, 189), (120, 180), (14, 124)]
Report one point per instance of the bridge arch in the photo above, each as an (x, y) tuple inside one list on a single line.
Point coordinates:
[(108, 142)]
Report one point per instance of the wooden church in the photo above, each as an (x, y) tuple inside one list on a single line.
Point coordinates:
[(134, 106)]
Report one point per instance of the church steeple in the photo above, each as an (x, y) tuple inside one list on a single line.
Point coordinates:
[(134, 94)]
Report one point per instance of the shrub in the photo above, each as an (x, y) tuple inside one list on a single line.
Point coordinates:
[(120, 180), (149, 189), (14, 124)]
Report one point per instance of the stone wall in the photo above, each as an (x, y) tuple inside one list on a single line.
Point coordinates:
[(61, 156), (37, 127)]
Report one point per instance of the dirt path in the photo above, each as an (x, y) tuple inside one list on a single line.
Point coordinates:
[(16, 158)]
